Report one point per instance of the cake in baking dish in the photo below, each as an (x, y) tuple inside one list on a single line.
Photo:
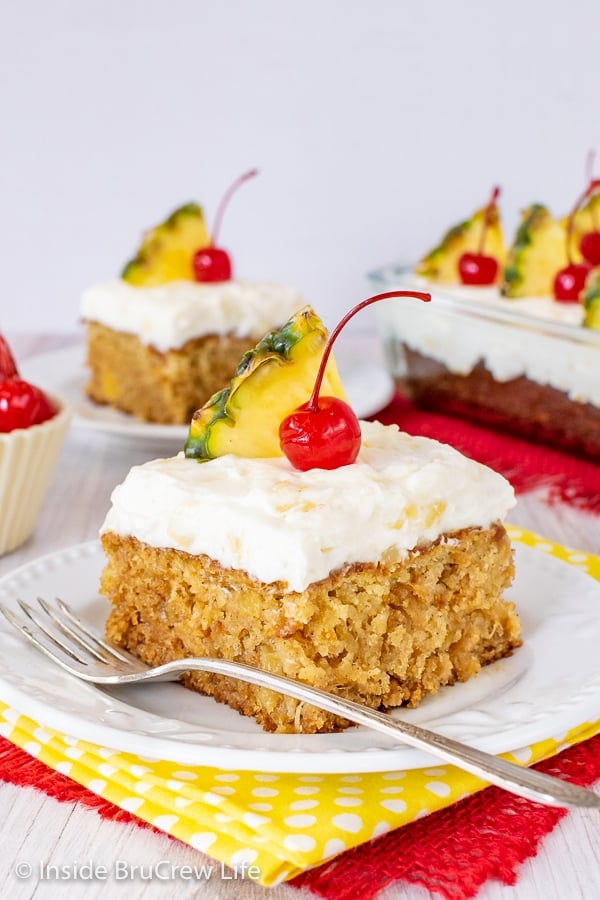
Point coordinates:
[(169, 333), (381, 580), (515, 346)]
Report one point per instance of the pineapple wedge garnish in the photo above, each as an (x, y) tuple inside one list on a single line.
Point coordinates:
[(539, 251), (271, 380), (441, 263), (167, 251)]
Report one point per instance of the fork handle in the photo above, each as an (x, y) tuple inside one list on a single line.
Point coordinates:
[(518, 780)]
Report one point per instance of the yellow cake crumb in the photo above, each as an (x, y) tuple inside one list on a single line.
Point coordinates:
[(382, 634)]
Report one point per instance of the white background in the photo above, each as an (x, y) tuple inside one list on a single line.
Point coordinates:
[(375, 126)]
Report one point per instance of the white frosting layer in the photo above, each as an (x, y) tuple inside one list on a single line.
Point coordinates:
[(535, 337), (166, 316), (266, 518)]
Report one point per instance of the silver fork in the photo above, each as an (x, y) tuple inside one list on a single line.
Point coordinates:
[(60, 635)]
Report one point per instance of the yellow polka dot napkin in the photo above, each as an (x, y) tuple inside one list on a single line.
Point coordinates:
[(277, 824)]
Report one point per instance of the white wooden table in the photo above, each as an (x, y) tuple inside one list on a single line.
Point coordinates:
[(35, 828)]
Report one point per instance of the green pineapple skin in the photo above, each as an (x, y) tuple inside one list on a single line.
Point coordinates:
[(454, 233), (144, 254), (196, 445), (512, 271), (274, 348), (188, 209), (130, 268), (217, 410), (592, 314), (591, 300)]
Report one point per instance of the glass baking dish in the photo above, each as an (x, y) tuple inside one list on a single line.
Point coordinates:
[(522, 366)]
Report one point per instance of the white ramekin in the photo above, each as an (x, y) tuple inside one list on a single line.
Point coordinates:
[(27, 460)]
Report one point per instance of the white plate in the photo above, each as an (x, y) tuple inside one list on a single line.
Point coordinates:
[(62, 372), (548, 686)]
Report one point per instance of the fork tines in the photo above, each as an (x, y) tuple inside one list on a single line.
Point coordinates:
[(57, 631)]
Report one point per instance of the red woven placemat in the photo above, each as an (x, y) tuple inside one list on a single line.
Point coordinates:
[(452, 852), (525, 464)]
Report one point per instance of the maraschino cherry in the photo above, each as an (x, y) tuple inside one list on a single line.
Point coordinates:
[(21, 404), (212, 263), (570, 281), (590, 247), (324, 433), (478, 268)]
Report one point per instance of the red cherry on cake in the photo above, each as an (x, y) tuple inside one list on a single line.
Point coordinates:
[(475, 268), (22, 405), (478, 268), (590, 247), (324, 433), (326, 437), (570, 282), (212, 263)]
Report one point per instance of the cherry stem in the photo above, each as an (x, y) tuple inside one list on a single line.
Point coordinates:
[(486, 218), (589, 164), (313, 403), (225, 201)]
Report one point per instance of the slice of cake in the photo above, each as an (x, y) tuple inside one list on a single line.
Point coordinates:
[(160, 352), (380, 580), (170, 332)]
